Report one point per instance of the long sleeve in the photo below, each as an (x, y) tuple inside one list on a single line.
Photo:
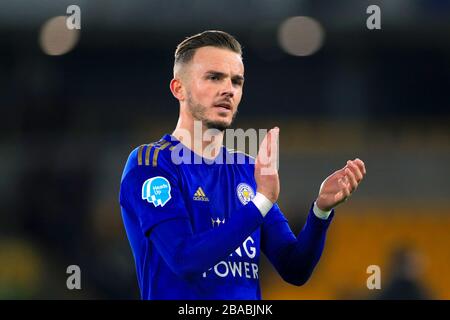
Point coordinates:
[(188, 254), (294, 257), (170, 230)]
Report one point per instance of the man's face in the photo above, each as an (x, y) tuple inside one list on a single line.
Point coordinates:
[(214, 80)]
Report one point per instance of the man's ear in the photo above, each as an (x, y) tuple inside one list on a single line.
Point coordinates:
[(177, 89)]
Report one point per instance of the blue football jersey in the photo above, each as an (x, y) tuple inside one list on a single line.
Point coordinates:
[(194, 231)]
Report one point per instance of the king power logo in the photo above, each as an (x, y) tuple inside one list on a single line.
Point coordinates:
[(238, 269)]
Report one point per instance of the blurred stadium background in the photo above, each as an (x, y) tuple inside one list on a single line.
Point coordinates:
[(75, 103)]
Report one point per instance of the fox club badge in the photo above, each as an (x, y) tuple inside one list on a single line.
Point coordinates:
[(245, 193)]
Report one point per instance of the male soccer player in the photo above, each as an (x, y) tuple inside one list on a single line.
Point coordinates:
[(197, 226)]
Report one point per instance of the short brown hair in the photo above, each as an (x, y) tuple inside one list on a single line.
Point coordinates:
[(186, 49)]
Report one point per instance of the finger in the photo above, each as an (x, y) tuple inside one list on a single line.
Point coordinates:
[(274, 147), (346, 190), (342, 171), (340, 197), (269, 143), (355, 169), (345, 178), (344, 193), (360, 165), (269, 152), (352, 178), (263, 157)]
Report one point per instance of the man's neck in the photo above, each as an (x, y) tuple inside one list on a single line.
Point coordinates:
[(198, 138)]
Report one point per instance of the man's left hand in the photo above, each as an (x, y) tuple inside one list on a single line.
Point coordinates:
[(337, 187)]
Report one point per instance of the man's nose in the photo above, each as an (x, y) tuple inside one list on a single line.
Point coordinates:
[(228, 89)]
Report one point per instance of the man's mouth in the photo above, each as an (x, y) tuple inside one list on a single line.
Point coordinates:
[(224, 106)]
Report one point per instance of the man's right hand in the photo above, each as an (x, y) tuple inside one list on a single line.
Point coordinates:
[(266, 166)]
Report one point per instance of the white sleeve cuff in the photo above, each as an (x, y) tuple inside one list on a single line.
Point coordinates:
[(321, 214), (262, 203)]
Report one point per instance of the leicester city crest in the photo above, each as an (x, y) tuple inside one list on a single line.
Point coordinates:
[(245, 193), (156, 190)]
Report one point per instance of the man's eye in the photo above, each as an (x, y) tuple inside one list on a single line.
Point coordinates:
[(213, 77)]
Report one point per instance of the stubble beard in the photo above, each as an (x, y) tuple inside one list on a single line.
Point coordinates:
[(198, 112)]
